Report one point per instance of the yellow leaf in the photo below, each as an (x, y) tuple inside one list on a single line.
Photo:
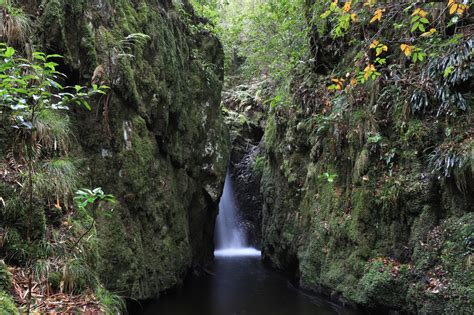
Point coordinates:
[(462, 8), (429, 33), (374, 44), (347, 6), (377, 15), (406, 49), (354, 17), (368, 71), (370, 3), (338, 83), (419, 12), (453, 8)]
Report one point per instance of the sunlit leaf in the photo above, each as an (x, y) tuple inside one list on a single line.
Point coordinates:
[(377, 15)]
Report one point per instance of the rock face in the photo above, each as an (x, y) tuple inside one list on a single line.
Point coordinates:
[(157, 141), (368, 198), (245, 117), (334, 217)]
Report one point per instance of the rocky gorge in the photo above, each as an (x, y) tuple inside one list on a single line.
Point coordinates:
[(358, 184)]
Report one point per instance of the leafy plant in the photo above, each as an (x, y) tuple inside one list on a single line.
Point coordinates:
[(112, 303), (85, 197), (374, 138), (330, 177), (5, 277), (29, 89)]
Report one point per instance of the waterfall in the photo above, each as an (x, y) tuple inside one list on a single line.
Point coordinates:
[(230, 238)]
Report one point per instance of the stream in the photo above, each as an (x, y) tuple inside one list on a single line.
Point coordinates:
[(238, 282)]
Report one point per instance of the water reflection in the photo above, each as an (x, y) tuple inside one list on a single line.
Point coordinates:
[(238, 286)]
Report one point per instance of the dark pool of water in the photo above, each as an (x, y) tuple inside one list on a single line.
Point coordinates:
[(240, 286)]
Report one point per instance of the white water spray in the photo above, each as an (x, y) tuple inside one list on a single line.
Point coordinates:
[(230, 238)]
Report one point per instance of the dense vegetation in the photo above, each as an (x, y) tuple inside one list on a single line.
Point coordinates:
[(132, 106), (366, 165), (352, 134), (54, 242)]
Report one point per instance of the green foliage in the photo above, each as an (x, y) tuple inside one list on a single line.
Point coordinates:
[(7, 306), (31, 96), (16, 246), (288, 171), (15, 26), (450, 156), (259, 165), (271, 133), (113, 303), (5, 277), (384, 282), (56, 178), (54, 280), (85, 197), (28, 88), (374, 138), (260, 38), (328, 176), (77, 276), (53, 131), (411, 116)]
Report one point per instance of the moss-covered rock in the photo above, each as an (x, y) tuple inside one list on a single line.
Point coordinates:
[(157, 140), (356, 205)]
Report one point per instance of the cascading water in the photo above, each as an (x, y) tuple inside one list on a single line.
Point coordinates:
[(238, 283), (230, 239)]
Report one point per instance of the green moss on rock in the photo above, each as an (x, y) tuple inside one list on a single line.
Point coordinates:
[(158, 143)]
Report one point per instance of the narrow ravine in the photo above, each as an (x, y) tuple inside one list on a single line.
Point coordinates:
[(236, 157), (238, 282)]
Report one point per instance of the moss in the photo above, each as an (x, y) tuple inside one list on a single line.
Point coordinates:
[(145, 142), (384, 283), (270, 133), (383, 203), (310, 262), (360, 166)]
